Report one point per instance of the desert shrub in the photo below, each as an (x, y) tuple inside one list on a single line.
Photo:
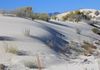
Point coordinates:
[(75, 46), (9, 48), (78, 12), (89, 48), (78, 31), (43, 16), (54, 17), (30, 64), (27, 32), (97, 42), (89, 44), (34, 16), (40, 16), (96, 30), (97, 13), (68, 16), (12, 50), (24, 12), (76, 16), (2, 67)]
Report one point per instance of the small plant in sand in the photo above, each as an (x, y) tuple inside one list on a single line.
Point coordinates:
[(89, 48), (78, 31), (34, 63), (30, 64), (27, 32), (96, 30), (9, 48), (13, 50)]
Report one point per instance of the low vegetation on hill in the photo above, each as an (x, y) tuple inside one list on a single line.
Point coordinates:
[(27, 12), (88, 47), (96, 30), (76, 16), (40, 16)]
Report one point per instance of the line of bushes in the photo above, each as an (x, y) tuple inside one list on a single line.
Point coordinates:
[(27, 12)]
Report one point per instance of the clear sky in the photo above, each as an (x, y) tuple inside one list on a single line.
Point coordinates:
[(50, 5)]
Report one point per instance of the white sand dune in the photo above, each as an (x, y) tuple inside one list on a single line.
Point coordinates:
[(45, 39)]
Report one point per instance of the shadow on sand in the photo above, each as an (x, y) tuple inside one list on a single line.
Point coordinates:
[(7, 38), (55, 40), (58, 23)]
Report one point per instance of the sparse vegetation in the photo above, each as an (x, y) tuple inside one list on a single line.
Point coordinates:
[(24, 12), (97, 13), (76, 16), (34, 16), (96, 30), (27, 12), (27, 32), (74, 46), (78, 31), (88, 47), (54, 17), (43, 16), (12, 50), (40, 16), (9, 48), (30, 64), (2, 67)]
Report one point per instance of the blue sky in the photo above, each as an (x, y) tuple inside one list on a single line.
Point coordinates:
[(50, 5)]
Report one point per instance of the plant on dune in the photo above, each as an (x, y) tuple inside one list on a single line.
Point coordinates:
[(78, 31), (33, 63), (27, 32), (76, 16), (30, 64), (43, 16), (75, 46), (15, 50), (40, 16), (88, 47), (2, 67), (97, 13), (10, 49), (24, 12), (54, 17), (96, 30)]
